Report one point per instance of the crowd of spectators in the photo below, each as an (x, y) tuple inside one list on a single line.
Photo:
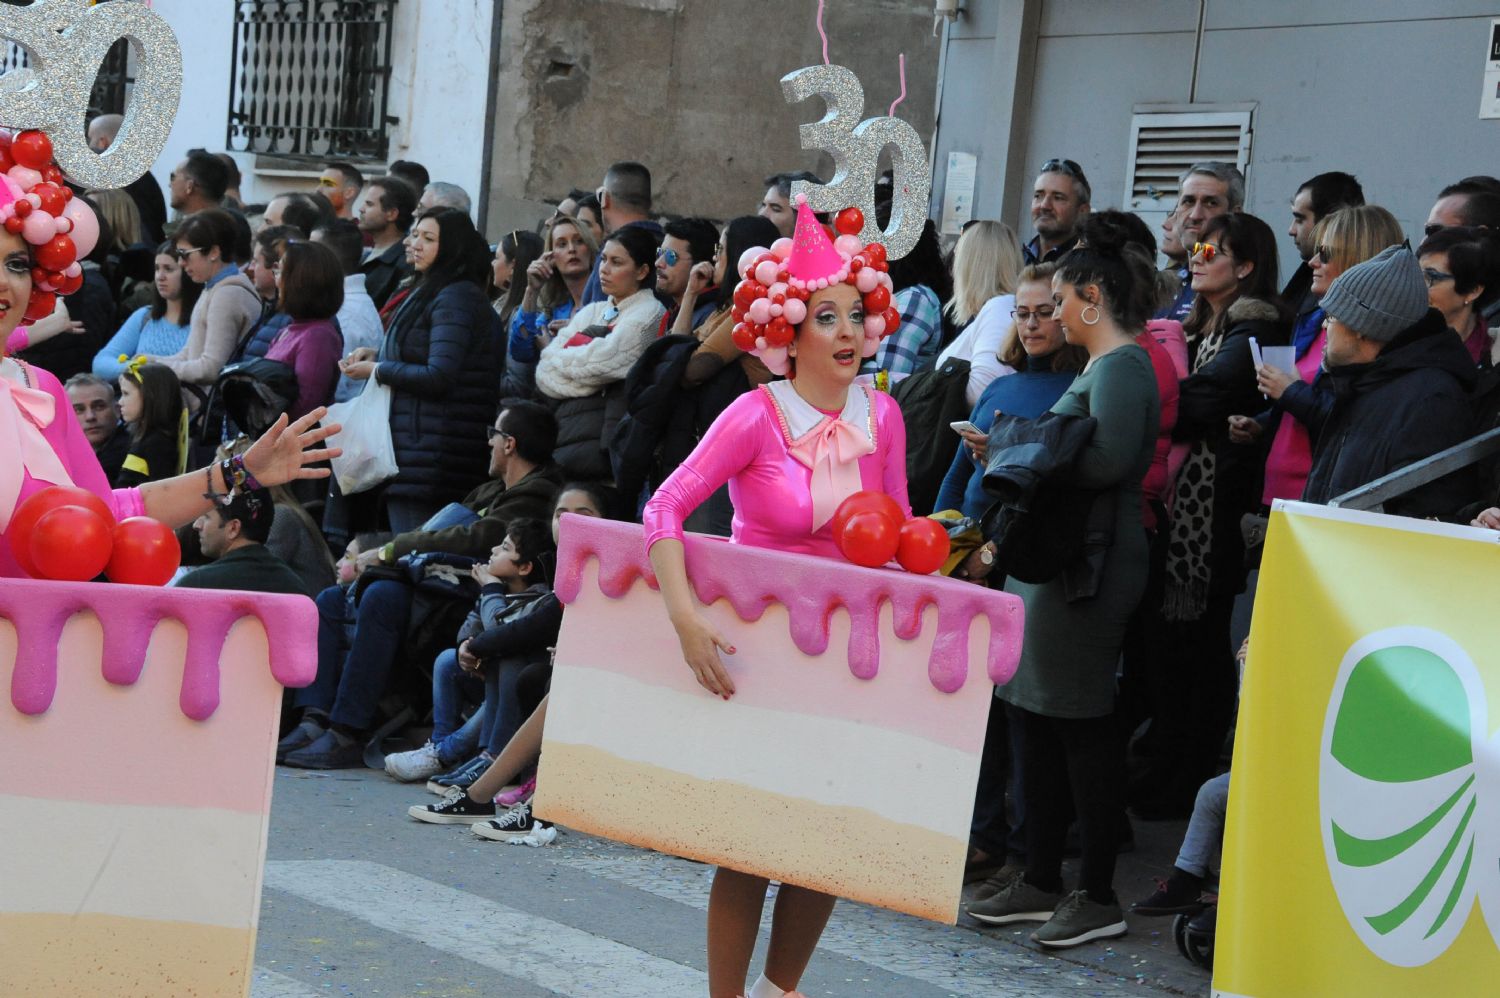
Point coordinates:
[(573, 366)]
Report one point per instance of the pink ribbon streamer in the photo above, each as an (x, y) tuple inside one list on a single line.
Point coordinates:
[(832, 450), (901, 63), (821, 33)]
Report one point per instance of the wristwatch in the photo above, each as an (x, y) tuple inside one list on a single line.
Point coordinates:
[(986, 556), (388, 554)]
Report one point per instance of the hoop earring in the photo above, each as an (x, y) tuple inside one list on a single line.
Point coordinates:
[(1084, 315)]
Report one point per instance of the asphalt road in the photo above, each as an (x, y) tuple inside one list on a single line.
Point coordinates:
[(361, 900)]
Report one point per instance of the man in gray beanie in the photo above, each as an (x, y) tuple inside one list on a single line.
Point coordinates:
[(1399, 378)]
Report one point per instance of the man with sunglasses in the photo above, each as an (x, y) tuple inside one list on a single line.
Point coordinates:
[(1473, 202), (1315, 200), (1059, 204), (687, 243)]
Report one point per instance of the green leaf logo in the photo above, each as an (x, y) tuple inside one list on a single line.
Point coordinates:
[(1398, 792)]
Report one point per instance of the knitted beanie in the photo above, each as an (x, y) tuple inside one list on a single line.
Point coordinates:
[(1380, 297)]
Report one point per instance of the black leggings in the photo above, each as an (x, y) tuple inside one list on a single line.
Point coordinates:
[(1071, 766)]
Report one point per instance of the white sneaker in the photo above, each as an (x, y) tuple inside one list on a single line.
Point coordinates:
[(418, 764)]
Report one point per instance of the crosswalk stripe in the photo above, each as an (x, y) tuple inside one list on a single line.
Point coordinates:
[(269, 984), (953, 959), (568, 961)]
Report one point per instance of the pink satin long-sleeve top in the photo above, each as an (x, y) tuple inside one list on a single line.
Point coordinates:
[(751, 446), (45, 403)]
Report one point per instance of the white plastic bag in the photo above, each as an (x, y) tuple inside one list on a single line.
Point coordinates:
[(369, 457)]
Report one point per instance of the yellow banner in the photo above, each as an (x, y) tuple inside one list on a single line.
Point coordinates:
[(1363, 843)]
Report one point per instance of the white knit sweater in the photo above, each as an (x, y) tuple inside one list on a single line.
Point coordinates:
[(565, 372)]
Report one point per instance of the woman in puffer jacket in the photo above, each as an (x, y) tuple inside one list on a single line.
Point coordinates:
[(441, 358), (582, 371)]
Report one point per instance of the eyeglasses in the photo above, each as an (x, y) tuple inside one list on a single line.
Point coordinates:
[(1323, 253), (1208, 251), (490, 433), (668, 256), (1024, 316), (1432, 229), (1067, 166), (183, 254), (1435, 277)]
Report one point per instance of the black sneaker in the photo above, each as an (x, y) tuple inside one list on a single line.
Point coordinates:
[(454, 809), (516, 821), (1179, 894), (300, 737), (463, 776)]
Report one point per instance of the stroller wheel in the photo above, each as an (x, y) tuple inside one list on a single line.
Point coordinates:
[(1194, 935)]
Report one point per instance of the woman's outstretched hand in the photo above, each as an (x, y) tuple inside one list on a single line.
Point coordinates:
[(701, 645), (283, 453)]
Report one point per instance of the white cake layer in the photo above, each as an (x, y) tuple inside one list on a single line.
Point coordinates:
[(199, 865), (826, 761)]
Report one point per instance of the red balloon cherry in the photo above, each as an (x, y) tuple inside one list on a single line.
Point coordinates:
[(863, 502), (779, 332), (70, 544), (53, 201), (146, 553), (38, 505), (849, 222), (744, 336), (878, 301), (58, 253), (42, 304), (923, 546), (32, 149), (869, 539), (892, 320)]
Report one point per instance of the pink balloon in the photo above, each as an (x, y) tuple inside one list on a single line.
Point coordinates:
[(779, 288), (64, 224), (759, 311), (73, 269), (25, 177), (866, 280), (775, 358), (766, 273), (848, 245), (38, 228), (85, 234), (782, 248), (874, 326), (776, 309), (794, 311), (871, 347), (746, 259)]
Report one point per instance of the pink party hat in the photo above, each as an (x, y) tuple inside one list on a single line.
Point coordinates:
[(814, 262)]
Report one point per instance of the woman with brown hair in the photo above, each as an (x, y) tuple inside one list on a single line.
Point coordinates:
[(310, 287), (554, 291)]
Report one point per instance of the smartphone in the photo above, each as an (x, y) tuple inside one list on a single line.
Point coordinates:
[(963, 425)]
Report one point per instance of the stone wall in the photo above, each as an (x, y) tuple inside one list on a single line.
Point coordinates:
[(691, 88)]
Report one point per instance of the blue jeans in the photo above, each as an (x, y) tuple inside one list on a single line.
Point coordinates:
[(335, 629), (1205, 830), (455, 739), (379, 629), (502, 705)]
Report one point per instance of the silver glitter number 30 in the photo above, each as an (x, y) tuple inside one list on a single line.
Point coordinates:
[(67, 41), (855, 147)]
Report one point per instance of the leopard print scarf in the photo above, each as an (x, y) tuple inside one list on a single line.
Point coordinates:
[(1191, 541)]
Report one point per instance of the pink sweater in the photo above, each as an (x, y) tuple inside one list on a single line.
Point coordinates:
[(748, 447), (72, 448), (312, 349)]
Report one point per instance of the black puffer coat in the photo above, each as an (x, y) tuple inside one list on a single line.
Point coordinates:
[(1406, 404), (443, 370)]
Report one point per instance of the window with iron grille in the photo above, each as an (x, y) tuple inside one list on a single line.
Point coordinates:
[(311, 78), (1166, 140)]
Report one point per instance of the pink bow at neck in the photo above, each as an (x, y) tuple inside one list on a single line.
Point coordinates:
[(832, 450), (19, 436)]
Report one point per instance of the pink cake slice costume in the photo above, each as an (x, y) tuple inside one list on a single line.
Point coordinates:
[(43, 445), (771, 447)]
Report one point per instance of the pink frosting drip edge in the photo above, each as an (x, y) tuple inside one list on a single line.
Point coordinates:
[(128, 614), (810, 589)]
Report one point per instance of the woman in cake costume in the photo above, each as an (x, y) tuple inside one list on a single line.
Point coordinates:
[(42, 444), (791, 452)]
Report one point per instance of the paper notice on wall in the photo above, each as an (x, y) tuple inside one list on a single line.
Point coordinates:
[(958, 192), (1489, 101)]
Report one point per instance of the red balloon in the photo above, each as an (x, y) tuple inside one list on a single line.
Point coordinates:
[(53, 201), (869, 539), (875, 253), (70, 285), (14, 225), (878, 300), (744, 336), (864, 502), (849, 222), (53, 175), (24, 208), (70, 544), (923, 547), (58, 253), (41, 305), (779, 332), (744, 293), (146, 553), (32, 149), (892, 320), (38, 505)]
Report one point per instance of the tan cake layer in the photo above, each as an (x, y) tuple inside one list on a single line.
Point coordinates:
[(104, 956), (850, 852)]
